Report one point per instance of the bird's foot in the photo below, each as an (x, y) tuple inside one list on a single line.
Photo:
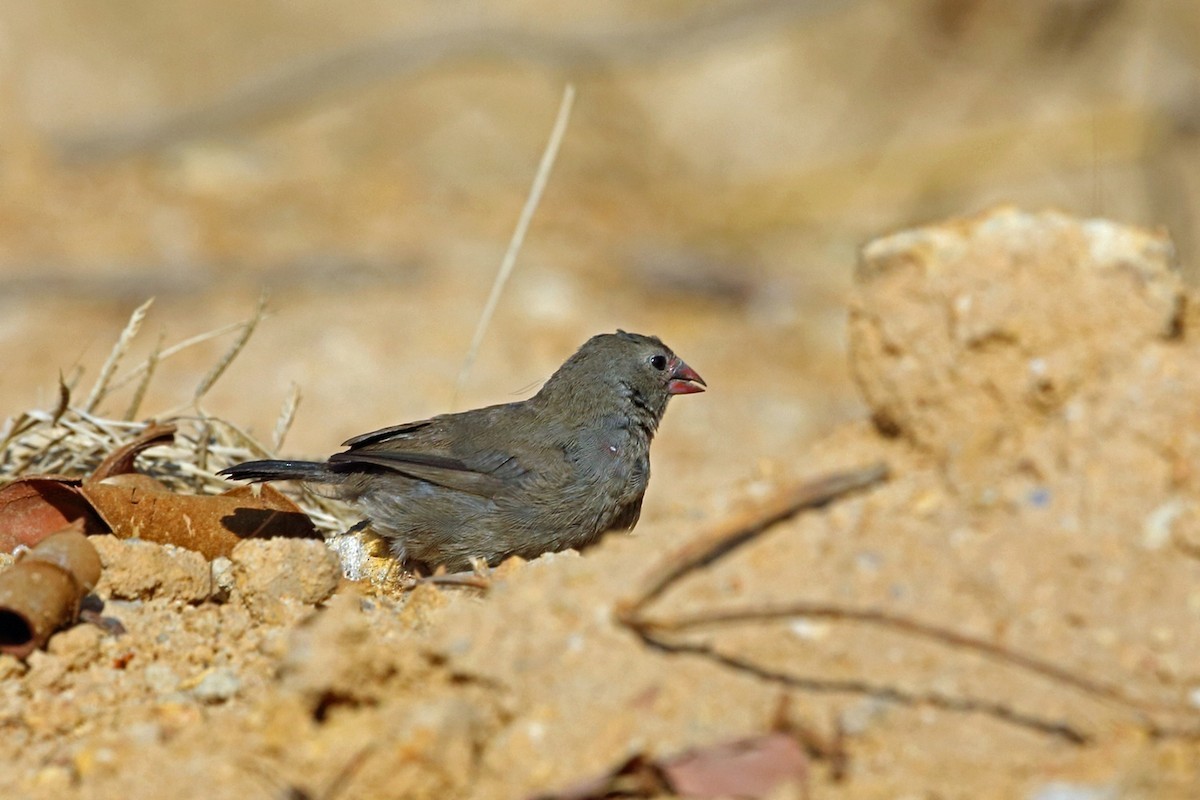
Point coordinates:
[(480, 577)]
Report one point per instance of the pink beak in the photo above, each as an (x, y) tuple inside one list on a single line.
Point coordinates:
[(684, 379)]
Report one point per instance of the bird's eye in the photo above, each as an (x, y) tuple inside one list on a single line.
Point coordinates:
[(659, 361)]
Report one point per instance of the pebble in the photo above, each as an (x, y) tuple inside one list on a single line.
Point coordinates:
[(1062, 790), (217, 686)]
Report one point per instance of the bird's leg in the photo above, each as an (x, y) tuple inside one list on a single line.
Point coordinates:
[(479, 577)]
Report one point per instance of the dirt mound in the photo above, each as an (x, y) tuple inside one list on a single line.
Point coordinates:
[(1013, 614)]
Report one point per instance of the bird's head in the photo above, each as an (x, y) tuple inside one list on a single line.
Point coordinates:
[(624, 368)]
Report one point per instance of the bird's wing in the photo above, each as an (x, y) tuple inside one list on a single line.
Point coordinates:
[(472, 452), (383, 434), (449, 473)]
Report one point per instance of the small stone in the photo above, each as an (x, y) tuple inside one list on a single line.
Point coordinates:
[(222, 578), (217, 686), (1062, 790), (809, 631), (1157, 527), (352, 552)]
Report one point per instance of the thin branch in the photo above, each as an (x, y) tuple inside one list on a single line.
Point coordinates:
[(1058, 728), (884, 619), (466, 580), (739, 530), (64, 400), (734, 533)]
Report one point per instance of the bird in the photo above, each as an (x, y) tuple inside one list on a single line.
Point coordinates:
[(555, 471)]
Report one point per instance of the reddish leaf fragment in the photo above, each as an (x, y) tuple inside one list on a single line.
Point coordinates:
[(137, 506), (33, 508), (637, 777), (746, 768), (749, 768), (120, 461)]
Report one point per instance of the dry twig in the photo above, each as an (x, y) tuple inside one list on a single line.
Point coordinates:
[(742, 528), (709, 548)]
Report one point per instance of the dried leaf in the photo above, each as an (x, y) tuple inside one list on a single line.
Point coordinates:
[(636, 777), (137, 506), (120, 461), (33, 508), (752, 767), (746, 768)]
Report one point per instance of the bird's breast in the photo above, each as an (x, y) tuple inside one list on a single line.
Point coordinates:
[(614, 460)]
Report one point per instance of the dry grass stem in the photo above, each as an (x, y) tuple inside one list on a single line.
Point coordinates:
[(72, 439), (287, 415), (223, 363), (100, 388), (549, 155), (139, 394), (178, 347)]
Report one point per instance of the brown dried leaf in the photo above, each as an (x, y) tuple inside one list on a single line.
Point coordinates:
[(120, 461), (747, 768), (32, 508), (137, 506), (636, 777)]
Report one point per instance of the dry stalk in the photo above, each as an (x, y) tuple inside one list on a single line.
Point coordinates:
[(287, 415), (139, 394), (662, 633), (72, 439), (223, 363), (549, 155), (100, 389)]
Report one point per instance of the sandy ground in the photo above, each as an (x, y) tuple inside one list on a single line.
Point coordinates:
[(1029, 380), (1025, 583)]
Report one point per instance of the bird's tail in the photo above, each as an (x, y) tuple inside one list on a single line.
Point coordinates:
[(258, 471)]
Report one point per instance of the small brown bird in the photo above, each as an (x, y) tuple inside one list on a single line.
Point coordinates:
[(549, 473)]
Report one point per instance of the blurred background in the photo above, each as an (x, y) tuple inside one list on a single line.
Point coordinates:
[(364, 163)]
